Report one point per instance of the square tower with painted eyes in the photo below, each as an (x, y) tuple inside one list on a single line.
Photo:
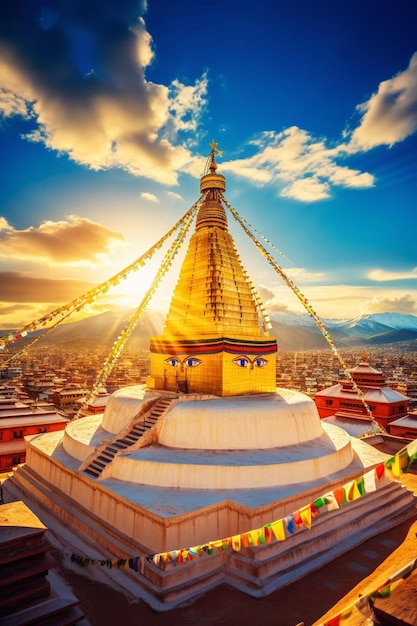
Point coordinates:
[(215, 339)]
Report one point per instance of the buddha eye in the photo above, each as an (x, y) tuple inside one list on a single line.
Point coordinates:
[(192, 362), (241, 361), (173, 361), (259, 362)]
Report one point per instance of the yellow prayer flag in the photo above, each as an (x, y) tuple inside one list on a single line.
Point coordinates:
[(305, 514), (395, 468), (236, 542), (278, 530), (254, 536), (354, 493), (351, 491)]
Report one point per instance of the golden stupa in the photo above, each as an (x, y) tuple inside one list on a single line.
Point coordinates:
[(213, 341), (209, 448)]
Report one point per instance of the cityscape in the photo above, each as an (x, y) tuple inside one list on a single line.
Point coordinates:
[(42, 371)]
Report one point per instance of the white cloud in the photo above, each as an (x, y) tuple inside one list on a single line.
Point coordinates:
[(381, 275), (390, 115), (306, 190), (174, 195), (405, 303), (300, 166), (337, 301), (4, 224), (109, 117), (74, 241), (149, 196), (12, 104), (187, 104), (303, 275)]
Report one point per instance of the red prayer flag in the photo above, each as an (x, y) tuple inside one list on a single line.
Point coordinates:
[(339, 495), (379, 470)]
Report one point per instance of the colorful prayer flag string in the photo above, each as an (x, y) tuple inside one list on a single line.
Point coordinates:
[(32, 343), (278, 530), (281, 529)]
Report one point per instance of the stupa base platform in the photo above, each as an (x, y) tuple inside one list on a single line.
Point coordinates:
[(122, 520)]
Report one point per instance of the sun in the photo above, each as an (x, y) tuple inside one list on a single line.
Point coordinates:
[(131, 290)]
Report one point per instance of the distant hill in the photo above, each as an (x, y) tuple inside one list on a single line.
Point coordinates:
[(104, 329), (293, 332)]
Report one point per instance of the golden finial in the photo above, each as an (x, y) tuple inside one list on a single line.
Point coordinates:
[(364, 356), (214, 149), (211, 165)]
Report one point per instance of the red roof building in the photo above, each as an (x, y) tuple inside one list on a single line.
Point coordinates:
[(343, 401), (18, 420)]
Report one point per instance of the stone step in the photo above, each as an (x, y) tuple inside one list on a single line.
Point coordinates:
[(131, 440), (102, 460), (98, 467), (91, 471), (108, 454)]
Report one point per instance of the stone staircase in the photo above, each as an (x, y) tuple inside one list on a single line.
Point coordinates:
[(143, 424)]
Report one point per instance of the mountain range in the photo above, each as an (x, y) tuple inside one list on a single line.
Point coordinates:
[(293, 332), (300, 332)]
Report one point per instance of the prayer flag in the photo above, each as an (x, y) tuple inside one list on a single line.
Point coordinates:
[(278, 530), (339, 494), (384, 592), (331, 501), (360, 483), (236, 542), (254, 537), (369, 481), (289, 521), (380, 470), (305, 514), (268, 533)]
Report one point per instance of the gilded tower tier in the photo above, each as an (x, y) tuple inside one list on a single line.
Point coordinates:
[(213, 342)]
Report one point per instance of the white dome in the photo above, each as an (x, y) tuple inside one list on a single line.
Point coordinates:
[(251, 422)]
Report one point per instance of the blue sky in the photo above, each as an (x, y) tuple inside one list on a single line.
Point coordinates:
[(107, 110)]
